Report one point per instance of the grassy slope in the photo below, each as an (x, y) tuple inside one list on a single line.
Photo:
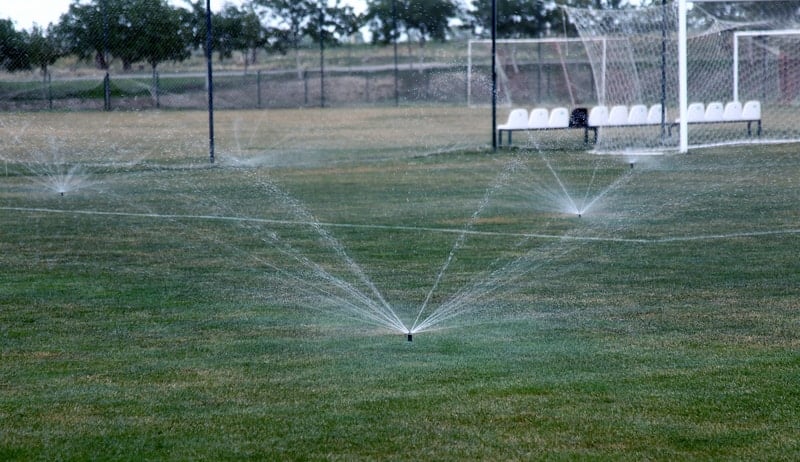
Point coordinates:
[(134, 337)]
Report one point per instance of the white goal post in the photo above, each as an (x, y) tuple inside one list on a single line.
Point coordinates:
[(683, 59), (725, 71)]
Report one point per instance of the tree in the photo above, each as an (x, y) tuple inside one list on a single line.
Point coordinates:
[(238, 30), (129, 30), (43, 48), (252, 35), (84, 31), (530, 19), (194, 24), (516, 18), (317, 20), (157, 27), (293, 18), (332, 22), (224, 29), (158, 36), (233, 29), (423, 19), (13, 48)]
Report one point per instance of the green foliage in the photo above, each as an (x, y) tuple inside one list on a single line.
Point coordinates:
[(526, 19), (234, 29), (158, 28), (82, 33), (297, 20), (13, 53), (43, 48), (153, 31), (426, 19), (293, 18), (517, 18)]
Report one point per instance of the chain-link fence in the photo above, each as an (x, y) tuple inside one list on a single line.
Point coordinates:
[(378, 85), (139, 54), (381, 84)]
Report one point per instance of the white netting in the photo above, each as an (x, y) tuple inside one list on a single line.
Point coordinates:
[(531, 73), (634, 56)]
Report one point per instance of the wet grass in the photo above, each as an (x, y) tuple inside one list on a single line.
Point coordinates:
[(660, 325)]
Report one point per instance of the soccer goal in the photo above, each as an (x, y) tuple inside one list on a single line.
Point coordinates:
[(726, 72)]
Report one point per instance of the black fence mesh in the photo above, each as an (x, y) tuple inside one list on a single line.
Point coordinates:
[(58, 69)]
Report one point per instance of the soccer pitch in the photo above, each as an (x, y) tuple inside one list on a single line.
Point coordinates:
[(166, 308)]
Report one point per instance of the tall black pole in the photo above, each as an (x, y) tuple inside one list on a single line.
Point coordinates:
[(394, 42), (321, 57), (210, 84), (107, 78), (494, 75), (663, 69)]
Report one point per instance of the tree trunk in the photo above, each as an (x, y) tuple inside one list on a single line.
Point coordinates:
[(44, 81), (100, 60), (154, 91), (297, 61)]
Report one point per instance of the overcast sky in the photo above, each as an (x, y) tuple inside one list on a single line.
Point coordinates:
[(42, 12)]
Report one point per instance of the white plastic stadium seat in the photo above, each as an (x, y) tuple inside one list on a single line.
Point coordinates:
[(696, 112), (538, 118), (598, 116), (733, 111), (654, 114), (714, 112), (618, 115), (517, 120), (751, 110), (559, 118), (637, 115)]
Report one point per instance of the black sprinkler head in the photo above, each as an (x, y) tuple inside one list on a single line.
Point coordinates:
[(579, 215), (62, 193), (410, 337), (631, 164)]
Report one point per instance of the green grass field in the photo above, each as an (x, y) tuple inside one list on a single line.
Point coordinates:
[(162, 308)]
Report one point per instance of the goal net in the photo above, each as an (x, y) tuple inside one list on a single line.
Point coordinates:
[(531, 73), (735, 52)]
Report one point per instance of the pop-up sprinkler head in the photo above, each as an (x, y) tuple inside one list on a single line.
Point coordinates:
[(62, 193), (410, 337), (579, 215), (631, 165)]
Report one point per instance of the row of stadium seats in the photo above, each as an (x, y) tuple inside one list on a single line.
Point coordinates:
[(620, 115), (715, 112), (639, 114), (599, 116), (538, 119)]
